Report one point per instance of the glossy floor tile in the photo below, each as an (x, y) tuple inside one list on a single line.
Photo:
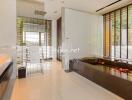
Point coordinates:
[(55, 84)]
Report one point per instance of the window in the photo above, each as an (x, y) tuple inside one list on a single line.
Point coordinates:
[(118, 33), (112, 28), (34, 32), (32, 38), (107, 36), (124, 33), (130, 32)]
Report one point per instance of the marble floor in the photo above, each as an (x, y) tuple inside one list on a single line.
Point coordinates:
[(55, 84)]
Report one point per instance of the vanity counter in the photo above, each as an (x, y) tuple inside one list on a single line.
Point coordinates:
[(6, 69), (5, 60)]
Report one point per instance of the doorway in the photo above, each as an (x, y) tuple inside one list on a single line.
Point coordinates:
[(33, 43)]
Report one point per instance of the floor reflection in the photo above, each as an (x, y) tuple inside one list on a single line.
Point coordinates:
[(56, 84), (117, 71), (38, 68)]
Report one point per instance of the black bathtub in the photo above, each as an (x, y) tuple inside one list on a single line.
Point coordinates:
[(112, 75)]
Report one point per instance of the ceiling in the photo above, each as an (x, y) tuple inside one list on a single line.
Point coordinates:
[(35, 1), (53, 7)]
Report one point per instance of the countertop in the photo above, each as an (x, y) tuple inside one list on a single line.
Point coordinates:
[(5, 60)]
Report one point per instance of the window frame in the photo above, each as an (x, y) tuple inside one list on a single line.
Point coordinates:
[(115, 30)]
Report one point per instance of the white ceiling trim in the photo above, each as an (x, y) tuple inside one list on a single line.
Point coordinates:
[(53, 7)]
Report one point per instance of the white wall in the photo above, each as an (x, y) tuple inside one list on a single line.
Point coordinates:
[(8, 33), (26, 8), (7, 26), (54, 38), (84, 31)]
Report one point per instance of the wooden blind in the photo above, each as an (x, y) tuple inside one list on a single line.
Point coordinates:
[(107, 35), (130, 32), (124, 33), (26, 24), (112, 34), (118, 33)]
